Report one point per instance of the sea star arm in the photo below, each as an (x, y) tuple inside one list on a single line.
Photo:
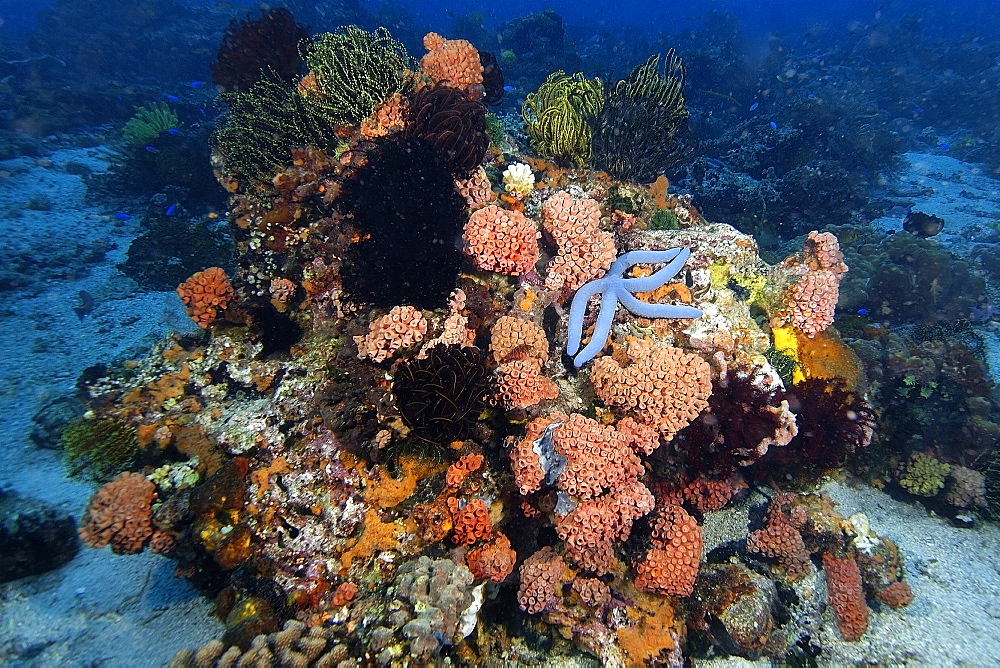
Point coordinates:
[(602, 328), (614, 289), (577, 310), (675, 259), (647, 310)]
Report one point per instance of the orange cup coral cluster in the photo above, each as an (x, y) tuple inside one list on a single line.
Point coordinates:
[(388, 117), (662, 386), (402, 327), (541, 574), (460, 470), (471, 521), (492, 561), (454, 62), (519, 384), (590, 530), (520, 348), (597, 469), (120, 515), (781, 540), (585, 250), (205, 294), (500, 240), (810, 304), (476, 189), (847, 596), (671, 565)]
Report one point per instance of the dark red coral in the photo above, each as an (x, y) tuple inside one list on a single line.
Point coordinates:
[(253, 46), (742, 413), (834, 423), (493, 80)]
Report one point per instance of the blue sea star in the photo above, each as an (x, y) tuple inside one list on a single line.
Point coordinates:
[(614, 289)]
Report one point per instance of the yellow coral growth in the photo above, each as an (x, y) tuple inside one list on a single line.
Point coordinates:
[(387, 491), (652, 629), (823, 356), (378, 536), (827, 356)]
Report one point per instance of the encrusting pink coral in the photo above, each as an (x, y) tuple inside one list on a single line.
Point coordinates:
[(585, 250), (120, 515), (500, 240), (402, 327)]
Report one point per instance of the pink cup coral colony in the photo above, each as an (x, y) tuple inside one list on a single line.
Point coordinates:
[(363, 461)]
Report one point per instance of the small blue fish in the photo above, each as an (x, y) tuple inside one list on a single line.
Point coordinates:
[(774, 126), (195, 84), (122, 216), (944, 147), (916, 111), (173, 98), (151, 149), (170, 210), (862, 311), (754, 106), (202, 111), (173, 131), (508, 88), (811, 96)]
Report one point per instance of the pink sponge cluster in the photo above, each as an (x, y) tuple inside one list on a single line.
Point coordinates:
[(500, 240), (402, 327), (670, 567), (662, 386), (585, 251)]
